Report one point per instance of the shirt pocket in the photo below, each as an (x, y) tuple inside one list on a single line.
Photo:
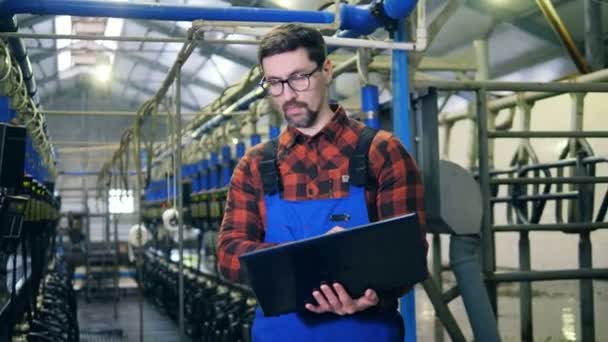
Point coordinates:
[(338, 183)]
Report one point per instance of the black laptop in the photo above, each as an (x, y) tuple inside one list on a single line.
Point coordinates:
[(381, 255)]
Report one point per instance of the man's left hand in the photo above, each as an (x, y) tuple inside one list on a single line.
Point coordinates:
[(338, 301)]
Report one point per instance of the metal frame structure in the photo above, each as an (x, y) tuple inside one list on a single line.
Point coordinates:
[(489, 180)]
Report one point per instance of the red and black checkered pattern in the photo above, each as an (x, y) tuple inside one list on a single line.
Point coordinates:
[(316, 168)]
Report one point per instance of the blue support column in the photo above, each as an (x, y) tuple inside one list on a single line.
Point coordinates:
[(147, 192), (255, 139), (5, 109), (401, 129), (226, 165), (204, 170), (171, 187), (213, 168), (240, 150), (159, 192), (274, 131), (370, 105), (196, 177), (29, 157), (165, 190), (154, 191)]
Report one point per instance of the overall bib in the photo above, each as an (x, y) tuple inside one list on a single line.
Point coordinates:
[(296, 220)]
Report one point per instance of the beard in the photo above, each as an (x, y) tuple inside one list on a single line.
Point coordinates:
[(305, 120)]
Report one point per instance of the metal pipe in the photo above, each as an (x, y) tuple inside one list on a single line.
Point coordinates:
[(549, 134), (554, 196), (566, 227), (550, 180), (401, 128), (482, 57), (398, 9), (329, 40), (586, 293), (442, 311), (532, 96), (487, 236), (451, 294), (557, 87), (594, 41), (121, 113), (101, 148), (178, 191), (559, 164), (134, 10), (556, 23), (146, 39), (183, 55), (525, 287), (464, 259), (597, 273), (370, 105), (505, 102), (116, 253), (347, 65)]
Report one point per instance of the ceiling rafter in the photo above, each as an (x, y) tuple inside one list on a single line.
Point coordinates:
[(121, 82)]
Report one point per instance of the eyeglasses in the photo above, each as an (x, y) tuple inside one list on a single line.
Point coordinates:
[(297, 82)]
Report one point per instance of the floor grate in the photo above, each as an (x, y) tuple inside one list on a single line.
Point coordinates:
[(113, 335)]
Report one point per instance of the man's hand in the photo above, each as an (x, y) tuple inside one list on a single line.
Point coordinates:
[(335, 229), (338, 301)]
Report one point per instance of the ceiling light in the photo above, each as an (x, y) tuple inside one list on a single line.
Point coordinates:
[(63, 25), (64, 60), (103, 72)]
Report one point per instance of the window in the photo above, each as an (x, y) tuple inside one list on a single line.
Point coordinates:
[(121, 201)]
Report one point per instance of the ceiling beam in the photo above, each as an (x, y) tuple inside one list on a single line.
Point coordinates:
[(120, 81), (162, 68), (31, 20), (528, 59), (150, 63), (522, 20), (170, 29)]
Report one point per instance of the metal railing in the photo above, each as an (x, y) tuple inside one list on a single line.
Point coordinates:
[(531, 185)]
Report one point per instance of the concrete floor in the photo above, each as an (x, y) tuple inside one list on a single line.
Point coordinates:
[(555, 307), (98, 316), (555, 312)]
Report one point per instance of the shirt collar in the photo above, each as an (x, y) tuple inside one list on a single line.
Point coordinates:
[(331, 131)]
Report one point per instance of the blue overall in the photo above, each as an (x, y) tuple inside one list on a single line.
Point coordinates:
[(295, 220)]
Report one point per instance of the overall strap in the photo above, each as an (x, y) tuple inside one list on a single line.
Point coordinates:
[(358, 164), (269, 167)]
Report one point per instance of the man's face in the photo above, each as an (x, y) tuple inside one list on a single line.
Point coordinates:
[(299, 107)]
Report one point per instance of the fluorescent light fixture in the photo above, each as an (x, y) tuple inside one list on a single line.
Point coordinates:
[(103, 72), (63, 25), (64, 60), (113, 29), (501, 2)]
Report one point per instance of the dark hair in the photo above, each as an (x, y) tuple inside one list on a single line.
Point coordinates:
[(290, 37)]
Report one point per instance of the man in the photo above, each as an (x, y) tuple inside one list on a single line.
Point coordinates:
[(315, 193)]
